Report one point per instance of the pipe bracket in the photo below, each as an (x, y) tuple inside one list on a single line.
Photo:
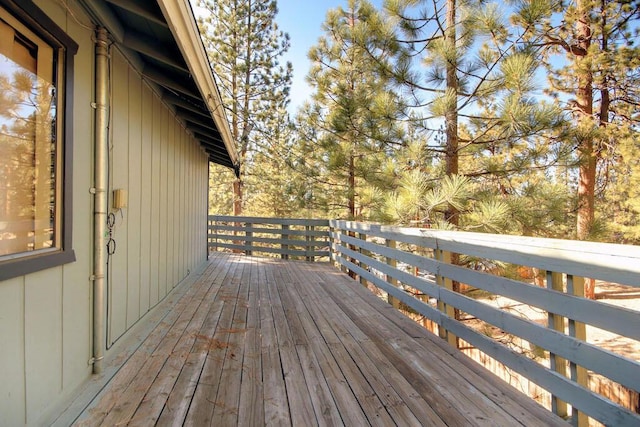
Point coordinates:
[(94, 360)]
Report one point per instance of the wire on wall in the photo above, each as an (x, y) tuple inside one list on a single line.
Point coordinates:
[(111, 243), (111, 218)]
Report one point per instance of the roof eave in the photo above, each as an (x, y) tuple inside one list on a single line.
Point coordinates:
[(182, 24)]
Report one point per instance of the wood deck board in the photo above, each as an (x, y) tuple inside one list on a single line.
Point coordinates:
[(322, 400), (181, 395), (344, 399), (150, 408), (276, 405), (446, 382), (351, 338), (225, 411), (110, 397), (300, 405), (506, 398), (204, 400), (260, 341), (251, 408)]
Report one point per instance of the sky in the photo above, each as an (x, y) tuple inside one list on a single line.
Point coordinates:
[(303, 19)]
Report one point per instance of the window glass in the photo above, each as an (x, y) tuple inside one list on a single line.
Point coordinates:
[(29, 150)]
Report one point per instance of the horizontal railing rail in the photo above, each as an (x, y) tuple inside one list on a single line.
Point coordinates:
[(453, 280), (388, 258), (285, 237)]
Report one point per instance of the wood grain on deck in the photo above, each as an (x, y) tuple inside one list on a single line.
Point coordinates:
[(260, 341)]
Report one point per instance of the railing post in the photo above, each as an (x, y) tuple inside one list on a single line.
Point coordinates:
[(308, 229), (248, 233), (447, 283), (557, 363), (211, 227), (216, 222), (392, 262), (575, 286), (364, 252), (284, 247), (343, 268), (332, 245), (428, 324), (350, 272)]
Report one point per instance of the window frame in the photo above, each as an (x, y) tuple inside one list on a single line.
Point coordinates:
[(32, 17)]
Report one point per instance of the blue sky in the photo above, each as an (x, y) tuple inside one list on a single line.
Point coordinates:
[(303, 19)]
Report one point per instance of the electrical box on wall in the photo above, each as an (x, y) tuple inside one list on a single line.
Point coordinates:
[(119, 199)]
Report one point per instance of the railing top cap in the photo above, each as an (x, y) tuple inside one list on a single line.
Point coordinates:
[(267, 220), (605, 261)]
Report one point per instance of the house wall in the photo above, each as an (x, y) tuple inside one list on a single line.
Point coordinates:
[(161, 235), (46, 317)]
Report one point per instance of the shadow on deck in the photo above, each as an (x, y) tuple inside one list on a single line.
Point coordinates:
[(257, 341)]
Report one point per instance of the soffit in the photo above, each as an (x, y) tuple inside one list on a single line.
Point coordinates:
[(142, 32)]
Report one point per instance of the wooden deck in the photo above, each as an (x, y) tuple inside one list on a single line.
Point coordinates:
[(259, 341)]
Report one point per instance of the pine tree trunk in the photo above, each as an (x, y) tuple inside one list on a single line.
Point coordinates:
[(237, 197), (451, 118), (451, 123), (237, 209), (237, 184), (586, 148), (352, 187)]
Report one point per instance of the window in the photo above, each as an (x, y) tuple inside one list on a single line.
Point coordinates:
[(35, 141)]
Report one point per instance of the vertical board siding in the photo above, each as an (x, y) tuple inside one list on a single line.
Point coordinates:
[(177, 207), (77, 287), (188, 215), (76, 292), (162, 273), (43, 340), (46, 317), (155, 201), (145, 200), (118, 179), (12, 352), (174, 128), (134, 197), (184, 144), (204, 213), (151, 153), (76, 323)]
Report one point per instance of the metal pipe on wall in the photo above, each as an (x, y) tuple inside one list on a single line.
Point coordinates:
[(100, 184)]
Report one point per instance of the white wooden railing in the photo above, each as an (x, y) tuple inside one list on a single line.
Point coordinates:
[(413, 268)]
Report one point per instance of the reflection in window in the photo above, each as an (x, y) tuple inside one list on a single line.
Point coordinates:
[(29, 200)]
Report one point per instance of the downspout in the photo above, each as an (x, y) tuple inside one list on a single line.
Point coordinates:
[(100, 204)]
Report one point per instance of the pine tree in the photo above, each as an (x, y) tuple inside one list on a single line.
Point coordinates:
[(587, 49), (436, 38), (272, 185), (353, 117), (245, 45), (458, 46)]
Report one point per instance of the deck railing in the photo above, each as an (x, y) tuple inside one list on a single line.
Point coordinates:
[(413, 269), (284, 237)]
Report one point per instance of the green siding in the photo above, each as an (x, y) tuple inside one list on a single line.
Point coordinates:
[(46, 317), (135, 191), (119, 179), (43, 340), (147, 264), (12, 387), (145, 201)]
